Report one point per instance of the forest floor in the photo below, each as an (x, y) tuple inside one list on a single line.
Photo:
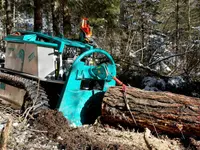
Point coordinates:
[(51, 131)]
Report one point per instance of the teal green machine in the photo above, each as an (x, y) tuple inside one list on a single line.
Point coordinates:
[(85, 80)]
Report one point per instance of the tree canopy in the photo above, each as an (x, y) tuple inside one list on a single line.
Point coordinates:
[(141, 31)]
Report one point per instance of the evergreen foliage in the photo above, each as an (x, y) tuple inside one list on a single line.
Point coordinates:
[(142, 31)]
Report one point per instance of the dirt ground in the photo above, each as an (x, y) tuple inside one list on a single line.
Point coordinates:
[(100, 137), (51, 131)]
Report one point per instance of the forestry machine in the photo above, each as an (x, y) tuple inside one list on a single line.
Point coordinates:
[(42, 72)]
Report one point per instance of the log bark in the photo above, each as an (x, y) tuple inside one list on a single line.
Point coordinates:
[(161, 112)]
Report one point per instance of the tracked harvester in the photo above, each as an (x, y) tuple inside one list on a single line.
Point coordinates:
[(41, 72)]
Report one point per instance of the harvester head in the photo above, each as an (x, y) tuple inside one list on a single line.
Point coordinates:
[(83, 92)]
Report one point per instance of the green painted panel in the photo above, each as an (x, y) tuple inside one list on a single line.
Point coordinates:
[(11, 49), (31, 56), (2, 86)]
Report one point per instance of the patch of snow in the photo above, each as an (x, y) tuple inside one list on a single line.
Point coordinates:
[(15, 124), (165, 67), (131, 54), (176, 82)]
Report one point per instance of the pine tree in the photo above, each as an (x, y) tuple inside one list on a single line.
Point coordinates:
[(9, 15), (37, 15)]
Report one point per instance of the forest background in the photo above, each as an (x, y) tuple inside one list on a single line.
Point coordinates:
[(158, 36)]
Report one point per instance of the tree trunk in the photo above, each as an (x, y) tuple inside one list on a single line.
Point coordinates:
[(14, 14), (66, 16), (141, 24), (37, 16), (9, 16), (55, 18), (162, 112), (122, 20), (177, 30)]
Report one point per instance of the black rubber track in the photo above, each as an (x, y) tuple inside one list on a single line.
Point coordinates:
[(35, 95)]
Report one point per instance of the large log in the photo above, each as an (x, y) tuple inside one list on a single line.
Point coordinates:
[(159, 111)]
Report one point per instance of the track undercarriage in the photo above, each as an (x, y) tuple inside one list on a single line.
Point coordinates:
[(23, 93)]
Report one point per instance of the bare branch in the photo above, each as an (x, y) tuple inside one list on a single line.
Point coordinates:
[(139, 50), (147, 68), (175, 55)]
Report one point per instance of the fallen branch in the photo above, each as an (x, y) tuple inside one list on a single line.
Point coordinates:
[(5, 134), (147, 139)]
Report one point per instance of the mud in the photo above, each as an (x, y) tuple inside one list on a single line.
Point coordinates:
[(69, 138), (96, 137)]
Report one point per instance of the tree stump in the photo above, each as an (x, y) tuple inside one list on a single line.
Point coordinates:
[(161, 112)]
